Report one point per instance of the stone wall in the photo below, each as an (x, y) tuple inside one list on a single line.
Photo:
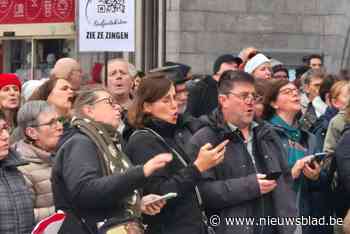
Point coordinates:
[(200, 30)]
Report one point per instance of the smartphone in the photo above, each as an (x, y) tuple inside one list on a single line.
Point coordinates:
[(273, 175), (164, 197), (318, 157)]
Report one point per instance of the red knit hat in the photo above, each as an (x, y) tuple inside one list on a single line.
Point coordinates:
[(9, 79)]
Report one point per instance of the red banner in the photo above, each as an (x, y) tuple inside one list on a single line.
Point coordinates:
[(36, 11)]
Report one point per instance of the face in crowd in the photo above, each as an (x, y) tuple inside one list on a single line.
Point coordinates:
[(10, 97), (315, 63), (280, 75), (4, 139), (165, 108), (47, 131), (264, 71), (239, 103), (313, 88), (181, 96), (105, 109), (61, 96), (288, 100), (119, 81)]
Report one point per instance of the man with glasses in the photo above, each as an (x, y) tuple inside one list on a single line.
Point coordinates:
[(239, 187)]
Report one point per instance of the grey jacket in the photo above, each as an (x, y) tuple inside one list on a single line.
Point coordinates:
[(16, 205)]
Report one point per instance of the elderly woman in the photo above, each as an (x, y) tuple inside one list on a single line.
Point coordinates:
[(93, 181), (57, 92), (259, 66), (16, 205), (40, 125), (10, 97), (281, 109)]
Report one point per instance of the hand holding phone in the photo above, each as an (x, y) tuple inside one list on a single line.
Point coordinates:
[(317, 158), (164, 197), (273, 175)]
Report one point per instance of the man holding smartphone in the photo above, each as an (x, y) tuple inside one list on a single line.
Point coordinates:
[(238, 187)]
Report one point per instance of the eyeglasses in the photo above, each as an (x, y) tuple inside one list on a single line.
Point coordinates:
[(289, 91), (109, 101), (280, 77), (52, 123), (247, 97)]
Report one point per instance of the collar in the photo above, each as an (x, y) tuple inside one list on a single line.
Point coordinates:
[(234, 128), (319, 105), (292, 132)]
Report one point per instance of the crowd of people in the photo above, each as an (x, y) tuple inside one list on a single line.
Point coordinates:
[(163, 152)]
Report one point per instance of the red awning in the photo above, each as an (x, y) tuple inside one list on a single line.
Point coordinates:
[(36, 11)]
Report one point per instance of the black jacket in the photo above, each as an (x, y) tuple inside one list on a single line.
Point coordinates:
[(79, 186), (342, 156), (181, 214), (231, 188), (203, 98)]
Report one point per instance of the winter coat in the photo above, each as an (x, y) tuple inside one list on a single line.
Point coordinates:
[(203, 98), (335, 128), (312, 195), (80, 187), (38, 177), (342, 156), (181, 214), (231, 189), (16, 204)]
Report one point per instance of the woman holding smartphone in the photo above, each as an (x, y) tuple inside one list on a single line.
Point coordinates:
[(155, 111), (281, 108)]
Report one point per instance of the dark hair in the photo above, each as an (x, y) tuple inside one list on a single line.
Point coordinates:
[(313, 56), (225, 58), (262, 86), (152, 88), (279, 68), (44, 90), (229, 78), (326, 85), (270, 96)]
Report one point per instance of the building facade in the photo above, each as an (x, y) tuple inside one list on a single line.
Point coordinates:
[(200, 30)]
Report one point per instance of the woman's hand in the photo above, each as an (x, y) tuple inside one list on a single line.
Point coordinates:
[(151, 208), (155, 163), (299, 166), (312, 173), (209, 157)]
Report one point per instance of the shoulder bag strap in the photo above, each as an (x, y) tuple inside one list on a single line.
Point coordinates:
[(181, 159)]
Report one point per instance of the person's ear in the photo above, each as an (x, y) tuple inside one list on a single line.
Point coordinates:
[(88, 111), (147, 107), (32, 133), (223, 101), (274, 105)]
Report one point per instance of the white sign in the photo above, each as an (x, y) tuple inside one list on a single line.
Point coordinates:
[(106, 25)]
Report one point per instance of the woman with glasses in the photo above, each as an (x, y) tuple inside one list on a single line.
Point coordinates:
[(94, 182), (39, 123), (16, 204), (281, 108)]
